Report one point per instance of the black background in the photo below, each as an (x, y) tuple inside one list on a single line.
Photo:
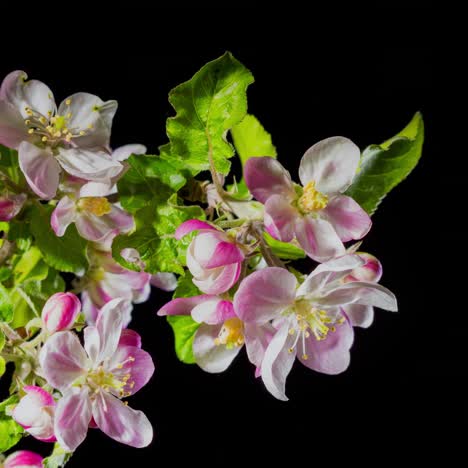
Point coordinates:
[(316, 76)]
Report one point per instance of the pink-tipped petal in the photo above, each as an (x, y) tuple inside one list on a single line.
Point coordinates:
[(280, 216), (72, 418), (213, 311), (89, 165), (225, 253), (23, 459), (60, 312), (90, 310), (190, 226), (63, 360), (124, 152), (92, 227), (359, 315), (120, 219), (318, 238), (277, 362), (331, 355), (347, 217), (184, 305), (40, 169), (209, 356), (164, 281), (331, 163), (63, 215), (257, 338), (360, 292), (121, 423), (266, 177), (370, 271), (133, 362), (11, 205), (219, 280), (129, 338)]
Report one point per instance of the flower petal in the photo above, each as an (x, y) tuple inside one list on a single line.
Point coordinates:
[(331, 355), (209, 356), (124, 152), (63, 360), (63, 215), (280, 216), (265, 177), (92, 227), (72, 418), (371, 270), (224, 254), (90, 115), (264, 294), (23, 459), (129, 338), (318, 238), (360, 315), (40, 169), (213, 311), (257, 338), (133, 362), (121, 423), (164, 281), (347, 217), (190, 226), (184, 305), (331, 163), (219, 280), (360, 292), (89, 165), (277, 362), (12, 127)]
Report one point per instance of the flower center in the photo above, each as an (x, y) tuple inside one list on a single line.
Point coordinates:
[(98, 206), (312, 199), (52, 128), (311, 320), (232, 333), (101, 379)]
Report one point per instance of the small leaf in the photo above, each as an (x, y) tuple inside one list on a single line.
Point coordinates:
[(6, 306), (284, 250), (207, 106), (184, 328), (58, 458), (185, 286), (30, 267), (67, 253), (2, 366), (383, 167), (10, 433)]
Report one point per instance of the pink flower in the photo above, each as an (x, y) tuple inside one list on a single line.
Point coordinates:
[(318, 215), (310, 320), (107, 280), (94, 216), (11, 205), (213, 258), (73, 137), (94, 379), (35, 412), (60, 312), (363, 315), (23, 459), (222, 334)]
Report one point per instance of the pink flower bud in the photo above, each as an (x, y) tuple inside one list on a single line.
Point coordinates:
[(370, 271), (35, 412), (60, 312), (11, 205), (22, 459)]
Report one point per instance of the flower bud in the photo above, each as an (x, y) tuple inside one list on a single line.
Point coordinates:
[(22, 459), (370, 271), (11, 205), (60, 312), (35, 412)]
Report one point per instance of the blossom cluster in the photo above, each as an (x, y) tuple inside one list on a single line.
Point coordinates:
[(86, 230)]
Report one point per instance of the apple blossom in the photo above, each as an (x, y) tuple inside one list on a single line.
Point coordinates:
[(73, 137), (310, 320), (93, 379), (22, 459), (318, 215), (10, 206), (35, 412), (222, 333), (60, 312), (213, 258)]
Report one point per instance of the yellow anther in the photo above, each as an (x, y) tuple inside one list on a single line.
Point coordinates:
[(290, 350), (43, 120), (98, 206), (68, 102), (44, 139), (305, 357), (231, 333), (27, 121), (292, 331), (312, 199), (31, 131), (82, 133), (333, 329)]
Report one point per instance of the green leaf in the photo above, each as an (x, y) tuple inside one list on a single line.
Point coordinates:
[(154, 236), (6, 306), (185, 286), (30, 267), (10, 433), (184, 328), (20, 233), (67, 253), (251, 139), (149, 178), (2, 366), (207, 106), (5, 273), (383, 167), (2, 340), (284, 250), (9, 165), (10, 401), (58, 458)]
